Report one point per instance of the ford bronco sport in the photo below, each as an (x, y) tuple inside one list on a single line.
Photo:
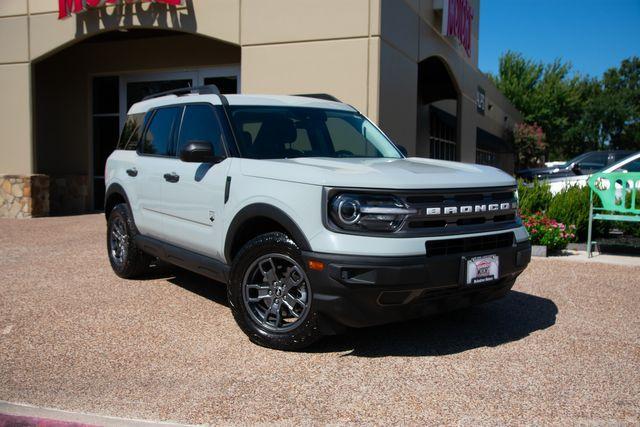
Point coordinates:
[(313, 218)]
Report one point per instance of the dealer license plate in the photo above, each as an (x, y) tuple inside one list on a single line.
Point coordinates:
[(482, 269)]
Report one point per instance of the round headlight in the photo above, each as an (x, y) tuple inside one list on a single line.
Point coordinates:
[(368, 212), (348, 211)]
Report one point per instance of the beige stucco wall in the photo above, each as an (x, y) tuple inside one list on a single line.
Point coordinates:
[(218, 19), (306, 46), (15, 119)]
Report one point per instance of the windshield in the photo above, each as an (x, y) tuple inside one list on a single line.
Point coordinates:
[(290, 132)]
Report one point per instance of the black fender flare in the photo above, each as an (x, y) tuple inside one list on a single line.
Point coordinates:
[(271, 212), (115, 188)]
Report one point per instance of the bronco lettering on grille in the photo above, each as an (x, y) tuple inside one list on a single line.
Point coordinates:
[(454, 210)]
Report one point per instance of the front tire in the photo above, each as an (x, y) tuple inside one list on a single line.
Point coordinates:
[(127, 261), (270, 294)]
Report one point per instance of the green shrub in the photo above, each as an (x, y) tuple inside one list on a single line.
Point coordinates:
[(571, 206), (534, 197)]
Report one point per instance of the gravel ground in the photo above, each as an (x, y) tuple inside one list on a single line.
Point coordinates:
[(562, 347)]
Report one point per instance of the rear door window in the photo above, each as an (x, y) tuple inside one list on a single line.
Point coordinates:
[(158, 138), (593, 163)]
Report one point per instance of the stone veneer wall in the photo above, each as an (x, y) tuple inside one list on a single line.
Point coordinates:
[(24, 196)]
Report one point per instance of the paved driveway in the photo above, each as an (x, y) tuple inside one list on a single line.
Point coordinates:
[(563, 347)]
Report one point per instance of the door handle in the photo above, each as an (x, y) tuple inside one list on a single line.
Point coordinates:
[(132, 172), (171, 177)]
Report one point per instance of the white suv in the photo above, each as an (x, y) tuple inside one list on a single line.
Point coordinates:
[(313, 218)]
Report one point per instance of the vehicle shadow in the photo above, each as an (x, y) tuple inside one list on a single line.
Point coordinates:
[(192, 282), (511, 318)]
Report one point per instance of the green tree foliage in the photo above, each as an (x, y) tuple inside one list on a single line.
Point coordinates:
[(619, 104), (577, 113)]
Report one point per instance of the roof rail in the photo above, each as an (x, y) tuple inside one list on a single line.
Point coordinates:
[(324, 96), (200, 90)]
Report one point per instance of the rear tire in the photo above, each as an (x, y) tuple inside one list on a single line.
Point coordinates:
[(127, 261), (270, 294)]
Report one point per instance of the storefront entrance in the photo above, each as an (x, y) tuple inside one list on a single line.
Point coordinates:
[(438, 102), (114, 95), (82, 93)]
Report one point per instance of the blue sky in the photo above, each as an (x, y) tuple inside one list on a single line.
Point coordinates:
[(593, 35)]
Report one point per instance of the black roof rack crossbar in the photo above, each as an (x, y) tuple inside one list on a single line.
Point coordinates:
[(200, 90), (324, 96)]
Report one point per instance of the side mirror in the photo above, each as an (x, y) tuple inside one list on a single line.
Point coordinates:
[(402, 150), (199, 152)]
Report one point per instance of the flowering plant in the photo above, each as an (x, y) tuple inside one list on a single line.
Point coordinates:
[(530, 143), (548, 232)]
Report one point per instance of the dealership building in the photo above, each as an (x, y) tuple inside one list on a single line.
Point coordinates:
[(70, 69)]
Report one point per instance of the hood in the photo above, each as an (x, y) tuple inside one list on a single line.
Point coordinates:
[(410, 173)]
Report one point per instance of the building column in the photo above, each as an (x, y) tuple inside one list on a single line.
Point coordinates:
[(466, 118), (22, 194)]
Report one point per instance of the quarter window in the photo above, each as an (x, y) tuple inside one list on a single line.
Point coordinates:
[(159, 135), (130, 135), (200, 123)]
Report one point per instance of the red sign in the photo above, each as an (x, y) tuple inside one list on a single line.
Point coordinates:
[(67, 7), (457, 18)]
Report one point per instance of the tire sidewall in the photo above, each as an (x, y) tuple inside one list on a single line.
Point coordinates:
[(302, 335), (131, 265)]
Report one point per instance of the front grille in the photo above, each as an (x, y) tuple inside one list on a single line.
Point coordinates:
[(448, 212), (469, 244), (454, 211)]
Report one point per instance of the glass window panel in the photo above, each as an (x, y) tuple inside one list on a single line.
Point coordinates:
[(226, 85), (287, 132), (105, 95), (159, 135), (105, 138), (200, 123)]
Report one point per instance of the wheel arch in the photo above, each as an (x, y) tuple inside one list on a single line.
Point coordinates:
[(115, 194), (256, 219)]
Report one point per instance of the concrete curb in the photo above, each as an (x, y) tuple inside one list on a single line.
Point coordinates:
[(581, 256), (34, 415)]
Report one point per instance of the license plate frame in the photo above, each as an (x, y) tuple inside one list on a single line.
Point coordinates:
[(480, 270)]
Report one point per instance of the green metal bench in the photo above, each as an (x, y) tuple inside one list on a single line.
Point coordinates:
[(619, 193)]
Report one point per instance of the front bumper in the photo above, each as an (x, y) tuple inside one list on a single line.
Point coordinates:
[(359, 291)]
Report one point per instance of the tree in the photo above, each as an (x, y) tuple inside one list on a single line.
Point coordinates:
[(530, 145), (619, 105), (577, 113), (544, 94)]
